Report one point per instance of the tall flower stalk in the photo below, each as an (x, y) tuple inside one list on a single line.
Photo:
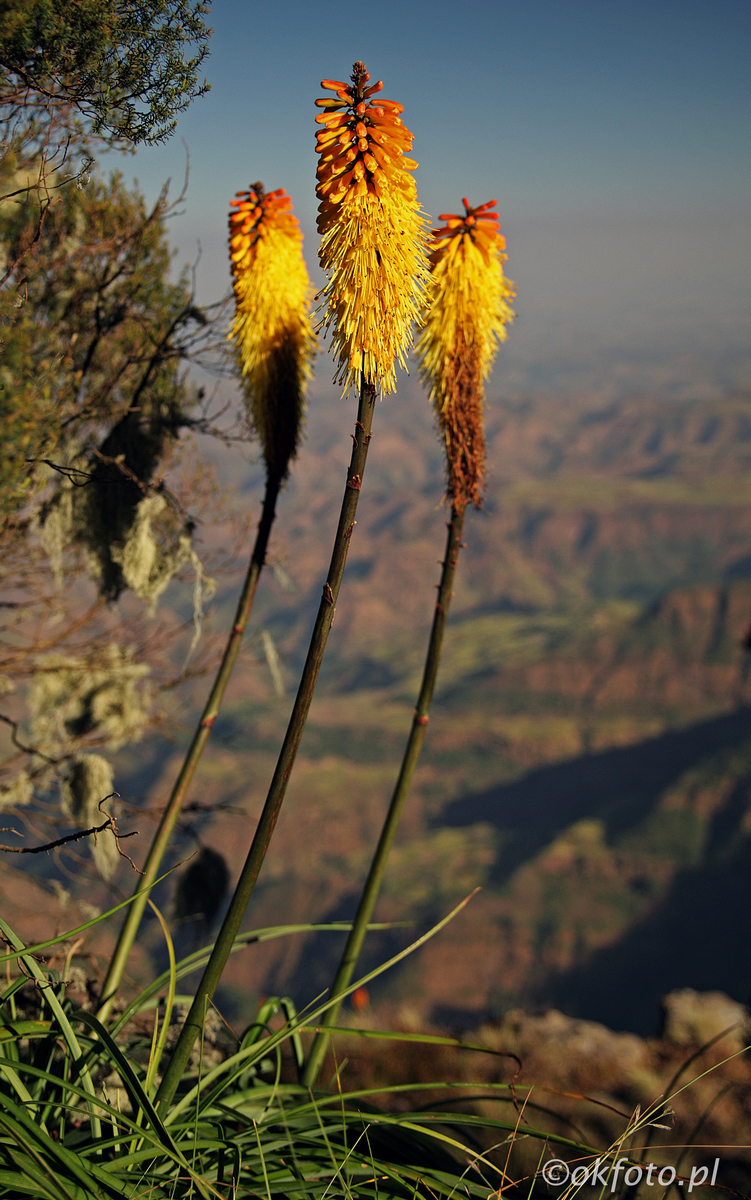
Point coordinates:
[(462, 329), (373, 251), (275, 345)]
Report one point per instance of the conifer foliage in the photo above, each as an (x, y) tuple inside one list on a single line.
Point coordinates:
[(124, 68), (96, 337)]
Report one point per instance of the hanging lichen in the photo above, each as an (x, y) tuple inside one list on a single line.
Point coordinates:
[(145, 561), (111, 506), (85, 785), (107, 502), (146, 565), (18, 793), (103, 694), (56, 525)]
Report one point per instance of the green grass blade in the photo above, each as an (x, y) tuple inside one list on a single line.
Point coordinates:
[(66, 1029), (24, 1029), (156, 1057), (73, 933), (427, 1039), (199, 958), (138, 1096), (16, 1083), (59, 1165), (282, 1035)]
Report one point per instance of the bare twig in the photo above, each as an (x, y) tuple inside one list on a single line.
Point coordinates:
[(110, 823), (68, 472), (71, 837)]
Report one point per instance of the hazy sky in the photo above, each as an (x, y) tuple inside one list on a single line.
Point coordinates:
[(613, 133)]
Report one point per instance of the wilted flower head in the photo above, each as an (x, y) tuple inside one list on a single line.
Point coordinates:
[(463, 328), (373, 246), (272, 327)]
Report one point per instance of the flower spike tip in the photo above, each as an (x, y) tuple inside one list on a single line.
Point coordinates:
[(373, 248)]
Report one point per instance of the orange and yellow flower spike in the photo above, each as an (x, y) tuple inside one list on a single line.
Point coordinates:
[(373, 246), (272, 329), (463, 328)]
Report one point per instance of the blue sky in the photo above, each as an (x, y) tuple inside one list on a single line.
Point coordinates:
[(613, 133)]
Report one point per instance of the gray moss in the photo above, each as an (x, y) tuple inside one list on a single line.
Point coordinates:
[(87, 782), (104, 694), (18, 793)]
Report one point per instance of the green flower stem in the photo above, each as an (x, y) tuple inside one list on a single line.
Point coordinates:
[(200, 738), (246, 883), (401, 791)]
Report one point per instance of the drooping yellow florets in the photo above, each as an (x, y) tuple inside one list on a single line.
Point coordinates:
[(463, 328), (373, 246), (272, 328)]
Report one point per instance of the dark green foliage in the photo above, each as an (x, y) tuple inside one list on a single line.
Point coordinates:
[(78, 1116), (89, 324), (73, 75), (93, 396), (95, 336), (122, 68)]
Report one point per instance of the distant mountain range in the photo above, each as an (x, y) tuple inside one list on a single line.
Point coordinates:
[(588, 759)]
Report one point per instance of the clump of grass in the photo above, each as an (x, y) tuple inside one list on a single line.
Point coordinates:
[(79, 1119)]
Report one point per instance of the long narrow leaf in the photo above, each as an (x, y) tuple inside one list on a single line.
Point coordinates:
[(199, 958), (159, 1048), (282, 1035), (72, 933), (138, 1097), (55, 1160), (66, 1030)]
